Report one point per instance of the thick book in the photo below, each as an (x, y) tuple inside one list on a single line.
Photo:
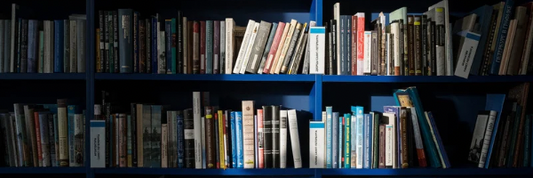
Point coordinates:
[(197, 130), (188, 135), (267, 136), (275, 136), (210, 139), (283, 124), (295, 139), (317, 146), (248, 133), (125, 41)]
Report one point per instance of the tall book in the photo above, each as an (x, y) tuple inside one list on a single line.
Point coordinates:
[(125, 42), (248, 133)]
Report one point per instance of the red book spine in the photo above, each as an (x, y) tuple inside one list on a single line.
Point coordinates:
[(202, 47), (260, 139), (274, 47), (38, 137), (195, 49), (360, 42), (216, 46), (354, 45)]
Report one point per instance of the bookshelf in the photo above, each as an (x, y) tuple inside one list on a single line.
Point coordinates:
[(306, 92)]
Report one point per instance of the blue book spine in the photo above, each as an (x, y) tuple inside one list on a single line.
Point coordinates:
[(335, 140), (502, 35), (125, 41), (181, 142), (347, 138), (367, 145), (359, 137), (58, 46), (56, 138), (233, 141), (155, 53), (209, 47), (32, 46), (340, 140), (240, 156), (329, 137)]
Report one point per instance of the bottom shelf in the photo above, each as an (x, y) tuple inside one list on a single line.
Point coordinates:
[(205, 172), (42, 170), (428, 172), (322, 172)]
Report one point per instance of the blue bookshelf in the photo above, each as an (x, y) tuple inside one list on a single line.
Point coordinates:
[(203, 77), (311, 85), (42, 76)]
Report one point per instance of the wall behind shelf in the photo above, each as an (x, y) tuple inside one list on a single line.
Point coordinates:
[(43, 10)]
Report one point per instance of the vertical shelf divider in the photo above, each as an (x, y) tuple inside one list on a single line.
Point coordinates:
[(89, 82)]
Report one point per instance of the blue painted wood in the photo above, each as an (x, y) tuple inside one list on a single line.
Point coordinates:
[(428, 172), (426, 79), (204, 77), (42, 76), (207, 172), (42, 170)]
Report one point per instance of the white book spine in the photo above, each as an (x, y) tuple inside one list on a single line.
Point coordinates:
[(367, 63), (467, 53), (353, 141), (97, 143), (317, 42), (248, 133), (389, 142), (229, 45), (197, 129), (295, 139), (249, 48), (283, 138), (487, 139), (244, 45), (317, 152)]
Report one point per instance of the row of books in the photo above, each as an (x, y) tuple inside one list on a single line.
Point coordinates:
[(402, 136), (490, 40), (42, 46), (509, 132), (44, 135), (180, 46), (202, 137)]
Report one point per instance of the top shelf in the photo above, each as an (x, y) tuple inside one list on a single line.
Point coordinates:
[(425, 79)]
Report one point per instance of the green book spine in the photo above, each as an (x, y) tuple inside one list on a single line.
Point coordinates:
[(347, 139)]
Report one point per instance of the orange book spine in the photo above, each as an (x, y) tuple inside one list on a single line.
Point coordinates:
[(360, 42)]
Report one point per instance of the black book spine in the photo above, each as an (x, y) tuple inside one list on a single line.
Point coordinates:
[(179, 36), (425, 48), (411, 146), (275, 137), (115, 42), (105, 32), (433, 48), (228, 138), (333, 62), (102, 42), (180, 140), (209, 139), (134, 133), (147, 45), (267, 134), (135, 42), (24, 47), (188, 123)]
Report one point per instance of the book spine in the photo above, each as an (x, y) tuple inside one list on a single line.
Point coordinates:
[(180, 139), (216, 47), (197, 130), (51, 143), (220, 142), (202, 47), (404, 163), (168, 47), (125, 42), (234, 146), (195, 48), (239, 131), (45, 147), (209, 47), (261, 139), (164, 146), (155, 45), (171, 69), (142, 46), (180, 59), (348, 136), (283, 138), (329, 136), (161, 50), (222, 48), (62, 132), (129, 141), (121, 140), (135, 35), (500, 43), (274, 47), (32, 46), (316, 144), (39, 160), (115, 49), (209, 139), (248, 134)]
